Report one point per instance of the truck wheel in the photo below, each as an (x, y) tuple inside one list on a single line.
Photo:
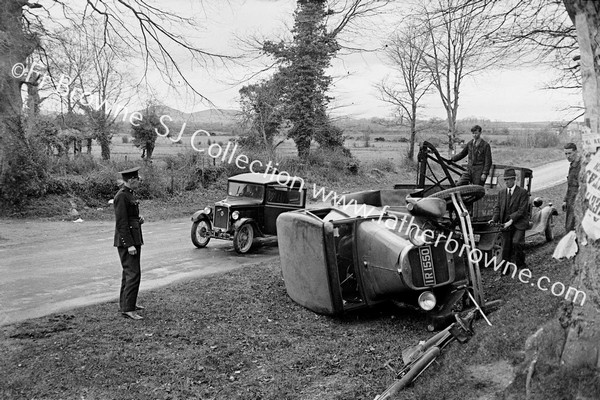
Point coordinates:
[(242, 238), (548, 232), (496, 251), (469, 193), (200, 231)]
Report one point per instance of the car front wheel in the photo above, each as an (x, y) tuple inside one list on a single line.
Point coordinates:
[(242, 238), (200, 231)]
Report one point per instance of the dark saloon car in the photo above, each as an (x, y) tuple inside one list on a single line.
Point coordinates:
[(253, 203)]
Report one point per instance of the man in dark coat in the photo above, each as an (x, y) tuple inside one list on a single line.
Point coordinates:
[(129, 241), (568, 205), (480, 159), (512, 210)]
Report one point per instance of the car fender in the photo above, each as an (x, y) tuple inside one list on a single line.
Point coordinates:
[(198, 215), (540, 218), (241, 221)]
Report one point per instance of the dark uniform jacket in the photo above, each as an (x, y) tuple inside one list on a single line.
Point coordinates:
[(573, 180), (480, 155), (128, 230), (517, 209)]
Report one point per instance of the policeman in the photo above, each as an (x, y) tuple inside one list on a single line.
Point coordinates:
[(129, 241), (480, 159)]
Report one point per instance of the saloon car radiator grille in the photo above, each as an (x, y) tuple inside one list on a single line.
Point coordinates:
[(221, 218), (429, 265)]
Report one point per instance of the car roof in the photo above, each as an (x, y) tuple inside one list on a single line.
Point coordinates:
[(261, 178)]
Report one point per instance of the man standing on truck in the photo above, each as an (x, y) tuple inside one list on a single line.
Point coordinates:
[(480, 159), (512, 211), (568, 205)]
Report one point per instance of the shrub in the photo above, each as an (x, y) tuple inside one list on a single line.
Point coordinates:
[(384, 165), (545, 139), (338, 160), (24, 172), (82, 164)]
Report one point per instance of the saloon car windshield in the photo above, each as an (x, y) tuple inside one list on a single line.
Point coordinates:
[(238, 189)]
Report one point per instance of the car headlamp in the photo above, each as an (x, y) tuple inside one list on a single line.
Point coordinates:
[(207, 210), (235, 215), (427, 301), (418, 237)]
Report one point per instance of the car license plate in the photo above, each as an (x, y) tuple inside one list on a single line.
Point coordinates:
[(427, 265)]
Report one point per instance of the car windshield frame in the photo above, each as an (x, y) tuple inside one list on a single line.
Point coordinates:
[(245, 189)]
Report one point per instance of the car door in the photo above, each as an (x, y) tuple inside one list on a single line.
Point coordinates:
[(280, 199)]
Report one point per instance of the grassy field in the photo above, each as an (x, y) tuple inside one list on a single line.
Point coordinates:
[(390, 149), (239, 336)]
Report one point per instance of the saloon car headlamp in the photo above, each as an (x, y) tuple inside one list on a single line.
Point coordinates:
[(427, 301), (207, 210), (417, 236), (235, 215)]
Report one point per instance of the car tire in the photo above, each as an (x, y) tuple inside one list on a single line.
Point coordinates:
[(469, 193), (548, 231), (198, 227), (242, 238)]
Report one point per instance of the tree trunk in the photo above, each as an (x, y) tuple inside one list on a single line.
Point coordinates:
[(451, 134), (413, 132), (16, 155), (582, 345), (569, 345)]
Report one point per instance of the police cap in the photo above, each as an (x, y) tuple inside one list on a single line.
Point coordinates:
[(130, 173)]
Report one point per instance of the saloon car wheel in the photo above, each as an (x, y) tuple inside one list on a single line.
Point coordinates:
[(200, 231), (242, 238), (548, 232), (469, 193)]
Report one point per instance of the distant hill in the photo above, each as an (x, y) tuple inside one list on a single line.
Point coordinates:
[(210, 116)]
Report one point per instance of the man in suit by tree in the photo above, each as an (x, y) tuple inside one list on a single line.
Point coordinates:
[(512, 211), (568, 205)]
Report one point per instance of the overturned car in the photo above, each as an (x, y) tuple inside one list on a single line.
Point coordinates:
[(339, 259)]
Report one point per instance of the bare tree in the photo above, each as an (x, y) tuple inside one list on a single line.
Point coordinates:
[(405, 52), (146, 29), (568, 345), (459, 37), (89, 78)]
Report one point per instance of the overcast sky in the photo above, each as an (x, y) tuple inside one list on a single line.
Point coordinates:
[(509, 95)]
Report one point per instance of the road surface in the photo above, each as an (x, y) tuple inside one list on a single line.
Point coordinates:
[(48, 267), (551, 174)]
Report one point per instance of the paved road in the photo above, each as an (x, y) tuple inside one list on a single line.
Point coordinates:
[(549, 175), (48, 267)]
